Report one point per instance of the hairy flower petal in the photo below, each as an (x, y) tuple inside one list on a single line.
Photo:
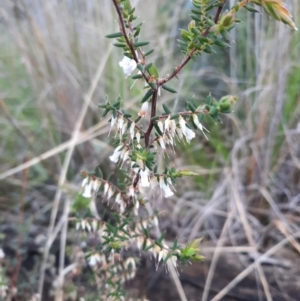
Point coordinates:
[(128, 65)]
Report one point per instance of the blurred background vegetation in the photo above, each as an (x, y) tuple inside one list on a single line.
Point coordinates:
[(55, 64)]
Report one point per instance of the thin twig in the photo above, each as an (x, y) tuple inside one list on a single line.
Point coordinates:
[(190, 55), (129, 43)]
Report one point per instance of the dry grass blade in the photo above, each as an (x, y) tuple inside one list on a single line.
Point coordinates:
[(75, 136), (216, 255), (252, 266)]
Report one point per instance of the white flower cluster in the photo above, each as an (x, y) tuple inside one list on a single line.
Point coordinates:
[(89, 226), (123, 124), (91, 186), (158, 253), (170, 130)]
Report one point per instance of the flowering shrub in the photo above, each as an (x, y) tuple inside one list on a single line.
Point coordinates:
[(137, 147)]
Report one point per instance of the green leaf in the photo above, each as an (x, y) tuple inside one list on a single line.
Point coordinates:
[(166, 109), (209, 21), (153, 71), (138, 76), (149, 52), (148, 66), (186, 35), (120, 45), (128, 55), (140, 44), (197, 12), (208, 99), (158, 129), (195, 18), (203, 39), (208, 49), (162, 236), (140, 67), (175, 244), (147, 95), (98, 172), (80, 203), (195, 31), (221, 44), (187, 173), (191, 106), (168, 89), (105, 112), (114, 35), (251, 9)]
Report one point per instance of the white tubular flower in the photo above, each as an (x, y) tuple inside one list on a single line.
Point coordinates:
[(144, 109), (199, 125), (112, 123), (87, 187), (189, 134), (155, 221), (128, 65), (153, 182), (124, 128), (172, 127), (88, 226), (120, 123), (182, 124), (125, 156), (106, 187), (118, 198), (122, 207), (116, 155), (179, 133), (162, 255), (166, 188), (110, 193), (96, 185), (94, 259), (144, 174), (83, 223), (138, 137), (130, 261), (161, 126), (139, 242), (167, 122), (162, 142), (131, 130), (94, 225)]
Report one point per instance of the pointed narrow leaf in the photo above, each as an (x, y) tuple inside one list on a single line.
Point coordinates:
[(153, 71), (222, 44), (120, 45), (251, 9), (149, 52), (137, 76), (140, 44), (148, 66), (147, 95), (114, 35), (157, 129), (168, 89), (166, 109), (191, 106)]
